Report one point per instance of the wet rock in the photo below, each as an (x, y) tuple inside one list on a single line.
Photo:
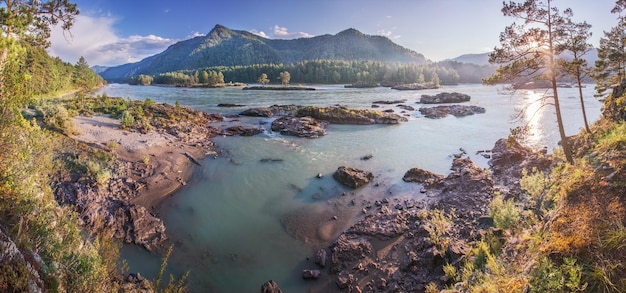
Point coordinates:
[(387, 102), (258, 112), (310, 274), (343, 115), (241, 131), (422, 176), (444, 98), (455, 110), (352, 177), (406, 107), (366, 157), (320, 258), (347, 249), (270, 287), (299, 126)]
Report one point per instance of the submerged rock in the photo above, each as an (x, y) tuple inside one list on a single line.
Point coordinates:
[(241, 131), (270, 287), (413, 87), (343, 115), (311, 274), (444, 98), (258, 112), (352, 177), (299, 126)]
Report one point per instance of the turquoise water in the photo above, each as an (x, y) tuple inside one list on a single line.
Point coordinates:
[(241, 222)]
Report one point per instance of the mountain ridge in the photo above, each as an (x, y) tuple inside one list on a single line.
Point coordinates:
[(227, 47)]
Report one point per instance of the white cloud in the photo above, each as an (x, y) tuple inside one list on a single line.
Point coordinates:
[(94, 39), (388, 33), (282, 33), (195, 34), (260, 33)]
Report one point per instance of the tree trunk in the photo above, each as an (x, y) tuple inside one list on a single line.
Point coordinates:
[(557, 106), (582, 102)]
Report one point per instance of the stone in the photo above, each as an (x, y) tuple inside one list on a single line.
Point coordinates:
[(310, 274), (352, 177), (422, 176), (299, 126), (455, 110), (241, 131), (344, 280), (270, 287), (444, 98), (320, 258), (258, 112)]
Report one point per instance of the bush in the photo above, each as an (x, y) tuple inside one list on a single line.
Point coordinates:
[(127, 120), (504, 213), (57, 117)]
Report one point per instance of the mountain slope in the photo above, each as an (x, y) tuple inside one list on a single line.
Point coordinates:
[(225, 47)]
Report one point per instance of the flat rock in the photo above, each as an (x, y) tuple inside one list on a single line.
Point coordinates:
[(299, 126), (270, 287), (455, 110), (444, 98)]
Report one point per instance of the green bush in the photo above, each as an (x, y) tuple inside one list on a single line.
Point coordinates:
[(504, 213), (127, 120)]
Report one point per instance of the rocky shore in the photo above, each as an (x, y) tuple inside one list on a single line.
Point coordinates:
[(146, 167), (403, 246)]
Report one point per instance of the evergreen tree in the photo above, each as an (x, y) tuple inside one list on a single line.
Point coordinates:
[(610, 68), (530, 48), (576, 37)]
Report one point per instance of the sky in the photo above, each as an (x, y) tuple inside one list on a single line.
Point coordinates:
[(115, 32)]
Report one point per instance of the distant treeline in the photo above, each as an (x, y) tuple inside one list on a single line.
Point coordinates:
[(326, 72)]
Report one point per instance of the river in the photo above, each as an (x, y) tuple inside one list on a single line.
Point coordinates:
[(240, 221)]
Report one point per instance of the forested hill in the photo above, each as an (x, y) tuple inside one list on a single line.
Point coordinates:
[(225, 47)]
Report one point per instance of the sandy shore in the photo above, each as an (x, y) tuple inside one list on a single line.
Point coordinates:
[(161, 159)]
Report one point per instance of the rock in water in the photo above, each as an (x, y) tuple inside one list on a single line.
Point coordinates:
[(270, 287), (455, 110), (352, 177), (320, 257), (299, 126), (444, 98), (258, 112), (422, 176), (311, 274)]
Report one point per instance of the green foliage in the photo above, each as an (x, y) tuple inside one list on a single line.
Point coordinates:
[(127, 120), (548, 277), (439, 225), (610, 68), (173, 286), (537, 185), (56, 116), (504, 213), (431, 288)]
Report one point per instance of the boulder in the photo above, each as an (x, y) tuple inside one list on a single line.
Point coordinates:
[(270, 287), (444, 98), (320, 258), (344, 115), (258, 112), (455, 110), (299, 126), (422, 176), (310, 274), (352, 177), (241, 131), (228, 105)]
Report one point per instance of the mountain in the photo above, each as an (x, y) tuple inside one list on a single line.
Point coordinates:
[(225, 47), (477, 59), (99, 68), (483, 58)]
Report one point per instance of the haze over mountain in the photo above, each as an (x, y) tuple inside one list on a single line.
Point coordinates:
[(225, 47), (483, 58)]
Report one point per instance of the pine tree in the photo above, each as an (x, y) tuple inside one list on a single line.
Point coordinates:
[(528, 50)]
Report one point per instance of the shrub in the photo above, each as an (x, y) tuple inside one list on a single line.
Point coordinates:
[(127, 120), (504, 213), (55, 116), (439, 225)]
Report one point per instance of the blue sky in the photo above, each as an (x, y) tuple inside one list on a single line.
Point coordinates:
[(113, 32)]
